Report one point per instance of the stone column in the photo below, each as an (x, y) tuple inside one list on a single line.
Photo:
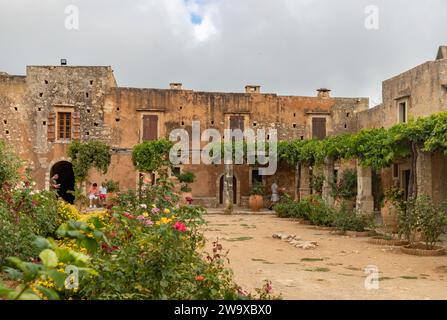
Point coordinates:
[(424, 173), (365, 199), (304, 187), (328, 172)]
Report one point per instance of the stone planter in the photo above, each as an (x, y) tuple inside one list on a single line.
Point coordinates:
[(255, 202), (357, 234), (322, 228), (387, 242), (338, 232), (420, 249), (390, 217)]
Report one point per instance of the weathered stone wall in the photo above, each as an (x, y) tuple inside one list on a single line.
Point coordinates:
[(114, 115)]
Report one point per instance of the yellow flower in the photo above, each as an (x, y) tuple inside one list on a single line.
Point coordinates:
[(173, 217), (163, 221), (145, 214), (167, 211)]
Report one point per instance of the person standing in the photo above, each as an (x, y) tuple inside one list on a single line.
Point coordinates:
[(275, 197), (93, 193), (103, 194)]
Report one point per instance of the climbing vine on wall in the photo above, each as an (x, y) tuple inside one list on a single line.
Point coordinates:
[(376, 148), (9, 165), (87, 155)]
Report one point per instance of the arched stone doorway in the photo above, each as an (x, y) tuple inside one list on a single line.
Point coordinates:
[(221, 190), (66, 179)]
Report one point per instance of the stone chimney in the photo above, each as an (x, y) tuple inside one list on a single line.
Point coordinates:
[(175, 86), (324, 93), (252, 89), (442, 53)]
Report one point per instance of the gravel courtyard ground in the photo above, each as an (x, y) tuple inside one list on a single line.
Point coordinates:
[(335, 270)]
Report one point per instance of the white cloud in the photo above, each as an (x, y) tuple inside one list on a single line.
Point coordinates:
[(287, 46)]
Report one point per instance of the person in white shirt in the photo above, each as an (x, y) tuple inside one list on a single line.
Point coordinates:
[(103, 193), (275, 197)]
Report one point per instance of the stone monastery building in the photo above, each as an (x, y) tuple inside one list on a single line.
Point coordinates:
[(43, 111)]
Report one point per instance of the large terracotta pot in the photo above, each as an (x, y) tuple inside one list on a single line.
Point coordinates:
[(390, 216), (255, 202)]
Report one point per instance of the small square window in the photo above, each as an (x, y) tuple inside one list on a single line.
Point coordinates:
[(294, 125)]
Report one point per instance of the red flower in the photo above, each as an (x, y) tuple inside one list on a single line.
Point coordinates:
[(200, 278), (128, 215), (180, 226)]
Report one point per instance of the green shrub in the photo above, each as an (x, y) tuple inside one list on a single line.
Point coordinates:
[(346, 187), (112, 186), (350, 221), (257, 189), (422, 215), (9, 165), (25, 215), (187, 177)]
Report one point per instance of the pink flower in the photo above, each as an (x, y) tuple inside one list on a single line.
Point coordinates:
[(140, 218), (148, 222), (155, 210), (180, 226)]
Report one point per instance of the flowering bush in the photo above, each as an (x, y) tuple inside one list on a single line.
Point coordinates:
[(145, 247), (24, 214)]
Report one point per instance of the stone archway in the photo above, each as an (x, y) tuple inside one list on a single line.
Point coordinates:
[(66, 179)]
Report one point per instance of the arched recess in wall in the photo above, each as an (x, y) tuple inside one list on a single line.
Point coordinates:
[(65, 178)]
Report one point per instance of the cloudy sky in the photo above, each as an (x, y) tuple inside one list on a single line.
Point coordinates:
[(290, 47)]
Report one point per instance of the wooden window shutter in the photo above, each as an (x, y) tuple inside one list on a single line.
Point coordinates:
[(150, 127), (319, 128), (51, 127), (76, 125)]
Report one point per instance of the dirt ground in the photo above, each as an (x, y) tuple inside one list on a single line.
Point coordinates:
[(335, 270)]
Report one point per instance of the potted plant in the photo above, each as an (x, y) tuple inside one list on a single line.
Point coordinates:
[(256, 199), (390, 210), (352, 224), (185, 179), (422, 223)]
